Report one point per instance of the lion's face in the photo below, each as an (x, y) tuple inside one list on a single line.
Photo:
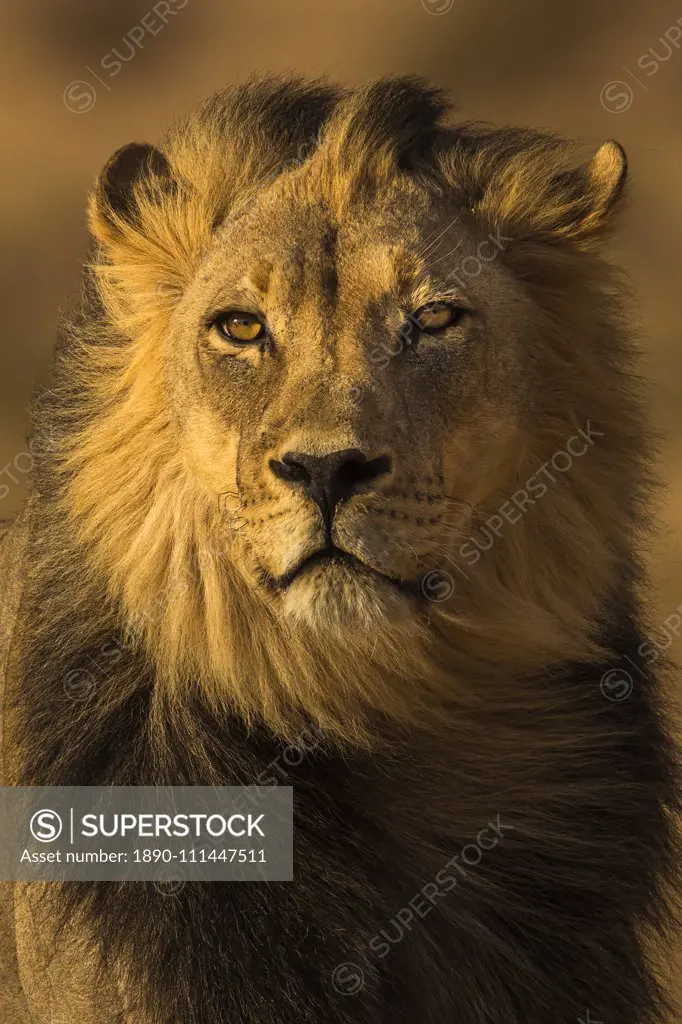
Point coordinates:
[(331, 341), (369, 400)]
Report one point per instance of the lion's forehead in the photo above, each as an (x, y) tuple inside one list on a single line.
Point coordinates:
[(296, 259)]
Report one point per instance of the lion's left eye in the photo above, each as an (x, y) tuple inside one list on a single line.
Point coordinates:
[(240, 327), (437, 316)]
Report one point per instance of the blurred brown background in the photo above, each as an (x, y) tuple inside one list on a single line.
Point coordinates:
[(82, 79), (585, 69)]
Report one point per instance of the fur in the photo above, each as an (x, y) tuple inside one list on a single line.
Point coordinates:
[(433, 717)]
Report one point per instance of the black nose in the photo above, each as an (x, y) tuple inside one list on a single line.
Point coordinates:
[(330, 478)]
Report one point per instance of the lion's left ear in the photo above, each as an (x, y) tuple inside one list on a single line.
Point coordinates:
[(586, 195), (136, 174)]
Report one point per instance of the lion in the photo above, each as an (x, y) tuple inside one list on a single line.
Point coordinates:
[(347, 439)]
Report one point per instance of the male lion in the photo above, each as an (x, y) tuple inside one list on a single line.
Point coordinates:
[(345, 443)]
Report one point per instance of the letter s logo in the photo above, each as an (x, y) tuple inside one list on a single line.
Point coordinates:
[(46, 826)]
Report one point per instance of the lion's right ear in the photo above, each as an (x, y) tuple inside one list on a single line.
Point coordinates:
[(135, 175)]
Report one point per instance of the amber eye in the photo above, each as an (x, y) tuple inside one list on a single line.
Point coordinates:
[(437, 316), (240, 327)]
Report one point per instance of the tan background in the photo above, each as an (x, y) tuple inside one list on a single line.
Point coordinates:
[(530, 62), (536, 62)]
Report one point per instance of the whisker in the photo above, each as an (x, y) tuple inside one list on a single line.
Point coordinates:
[(457, 501), (440, 260), (452, 533), (453, 563), (425, 252)]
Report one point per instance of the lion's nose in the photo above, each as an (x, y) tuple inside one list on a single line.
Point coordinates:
[(329, 479)]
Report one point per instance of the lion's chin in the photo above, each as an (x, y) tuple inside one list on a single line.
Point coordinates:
[(337, 597)]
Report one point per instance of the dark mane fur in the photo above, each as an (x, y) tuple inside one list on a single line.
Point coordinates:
[(556, 912), (553, 920)]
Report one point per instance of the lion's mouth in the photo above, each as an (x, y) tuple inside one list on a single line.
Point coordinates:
[(332, 555)]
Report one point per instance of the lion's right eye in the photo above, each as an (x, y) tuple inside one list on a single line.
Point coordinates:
[(242, 328)]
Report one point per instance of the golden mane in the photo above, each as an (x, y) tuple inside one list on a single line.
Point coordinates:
[(163, 543)]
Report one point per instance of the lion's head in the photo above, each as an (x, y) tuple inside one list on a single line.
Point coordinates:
[(333, 340)]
